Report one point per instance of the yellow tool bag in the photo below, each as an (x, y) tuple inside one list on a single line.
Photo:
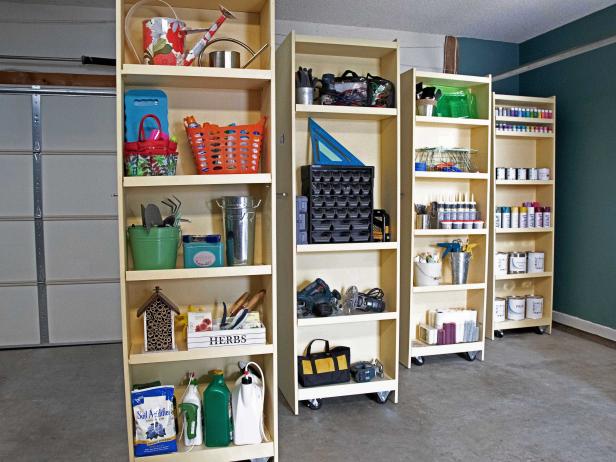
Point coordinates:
[(325, 368)]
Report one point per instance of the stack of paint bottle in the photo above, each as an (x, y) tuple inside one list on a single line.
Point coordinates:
[(529, 215)]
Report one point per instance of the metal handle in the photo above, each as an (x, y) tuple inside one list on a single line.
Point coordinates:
[(225, 39)]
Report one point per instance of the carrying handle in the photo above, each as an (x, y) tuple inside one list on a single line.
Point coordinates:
[(309, 347), (141, 129), (225, 39), (349, 71), (129, 15)]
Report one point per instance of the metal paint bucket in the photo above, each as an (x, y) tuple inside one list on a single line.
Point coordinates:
[(534, 306), (501, 262), (501, 173), (239, 216), (535, 262), (459, 267), (499, 309), (516, 308), (517, 263)]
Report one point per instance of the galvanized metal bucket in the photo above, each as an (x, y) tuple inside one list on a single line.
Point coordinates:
[(238, 217), (459, 267)]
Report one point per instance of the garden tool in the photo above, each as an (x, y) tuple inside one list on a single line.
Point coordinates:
[(454, 246)]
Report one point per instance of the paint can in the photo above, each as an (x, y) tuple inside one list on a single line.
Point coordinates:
[(517, 263), (534, 306), (516, 308), (501, 173), (499, 309), (511, 173), (532, 173), (467, 224), (543, 174), (535, 262), (521, 173), (477, 224), (501, 260), (456, 225)]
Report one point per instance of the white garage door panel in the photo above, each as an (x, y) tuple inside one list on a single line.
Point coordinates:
[(18, 316), (84, 313), (16, 127), (81, 249), (16, 185), (17, 251), (86, 122), (79, 185)]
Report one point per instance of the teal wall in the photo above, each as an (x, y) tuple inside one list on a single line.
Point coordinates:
[(585, 89), (482, 57)]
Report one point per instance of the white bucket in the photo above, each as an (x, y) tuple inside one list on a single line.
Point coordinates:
[(428, 274)]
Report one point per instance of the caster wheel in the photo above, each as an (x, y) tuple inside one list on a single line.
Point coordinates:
[(381, 396), (470, 355), (418, 360), (539, 330), (499, 333), (314, 404)]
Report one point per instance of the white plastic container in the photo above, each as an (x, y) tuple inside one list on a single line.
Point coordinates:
[(428, 274), (499, 309), (516, 308)]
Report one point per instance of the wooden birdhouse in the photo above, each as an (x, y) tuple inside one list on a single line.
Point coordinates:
[(158, 322)]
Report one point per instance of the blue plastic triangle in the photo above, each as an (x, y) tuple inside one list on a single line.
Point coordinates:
[(327, 151)]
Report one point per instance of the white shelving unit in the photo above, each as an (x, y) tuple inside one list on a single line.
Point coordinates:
[(372, 135), (422, 187)]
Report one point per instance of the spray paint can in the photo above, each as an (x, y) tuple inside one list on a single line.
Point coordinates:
[(523, 217), (498, 217), (506, 217), (538, 217), (530, 210), (536, 262), (499, 309), (515, 217), (547, 217)]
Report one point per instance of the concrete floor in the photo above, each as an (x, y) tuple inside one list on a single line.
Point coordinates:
[(535, 398)]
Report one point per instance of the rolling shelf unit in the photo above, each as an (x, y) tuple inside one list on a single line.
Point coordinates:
[(219, 96), (372, 134), (521, 149), (422, 187)]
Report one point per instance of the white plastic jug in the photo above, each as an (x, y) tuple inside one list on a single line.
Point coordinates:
[(247, 402), (191, 396)]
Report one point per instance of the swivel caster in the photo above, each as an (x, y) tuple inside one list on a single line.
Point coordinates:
[(499, 333), (314, 404), (539, 330), (470, 355), (418, 360), (381, 396)]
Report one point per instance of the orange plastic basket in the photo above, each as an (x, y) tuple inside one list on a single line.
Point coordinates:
[(224, 150)]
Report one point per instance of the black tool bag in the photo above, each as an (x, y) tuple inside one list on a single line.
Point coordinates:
[(381, 92), (326, 368)]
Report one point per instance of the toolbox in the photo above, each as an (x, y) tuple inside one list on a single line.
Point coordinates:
[(340, 203)]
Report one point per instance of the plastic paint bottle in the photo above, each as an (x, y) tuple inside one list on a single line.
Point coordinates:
[(547, 217)]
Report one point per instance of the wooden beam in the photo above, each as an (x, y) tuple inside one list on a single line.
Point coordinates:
[(450, 60), (56, 79)]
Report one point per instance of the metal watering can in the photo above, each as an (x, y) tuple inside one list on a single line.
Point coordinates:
[(163, 38)]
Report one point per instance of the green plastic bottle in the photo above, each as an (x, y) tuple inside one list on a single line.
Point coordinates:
[(217, 417)]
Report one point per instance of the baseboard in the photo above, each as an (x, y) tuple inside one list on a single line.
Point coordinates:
[(585, 326)]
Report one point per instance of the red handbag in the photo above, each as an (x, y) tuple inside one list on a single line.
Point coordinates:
[(150, 157)]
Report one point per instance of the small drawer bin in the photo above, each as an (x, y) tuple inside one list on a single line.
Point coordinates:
[(360, 236), (342, 225), (341, 236), (321, 225), (320, 237)]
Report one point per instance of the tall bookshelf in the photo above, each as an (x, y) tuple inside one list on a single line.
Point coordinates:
[(372, 134), (523, 149), (423, 187), (220, 96)]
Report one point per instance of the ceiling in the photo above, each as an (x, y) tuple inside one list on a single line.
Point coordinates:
[(504, 20)]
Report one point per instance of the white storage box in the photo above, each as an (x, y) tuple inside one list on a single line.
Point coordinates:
[(216, 338)]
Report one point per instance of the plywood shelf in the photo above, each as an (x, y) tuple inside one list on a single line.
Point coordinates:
[(348, 389), (347, 48), (138, 356), (452, 175), (450, 232), (528, 135), (347, 319), (195, 180), (524, 182), (198, 273), (423, 349), (524, 323), (505, 277), (346, 247), (522, 230), (452, 122), (344, 112), (524, 120), (201, 453), (449, 288), (195, 77)]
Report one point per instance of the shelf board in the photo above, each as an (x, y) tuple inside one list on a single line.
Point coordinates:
[(195, 77), (347, 389), (195, 180), (508, 324), (451, 121), (449, 287), (137, 356), (345, 112), (198, 273), (505, 277), (349, 48), (523, 182), (523, 99), (436, 78), (450, 232), (452, 175), (201, 453), (419, 348), (504, 134), (522, 230), (346, 247), (347, 319), (525, 120)]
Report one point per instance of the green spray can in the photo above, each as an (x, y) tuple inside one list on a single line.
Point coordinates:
[(218, 418)]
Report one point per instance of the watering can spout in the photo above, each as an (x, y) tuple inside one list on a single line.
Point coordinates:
[(207, 37)]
